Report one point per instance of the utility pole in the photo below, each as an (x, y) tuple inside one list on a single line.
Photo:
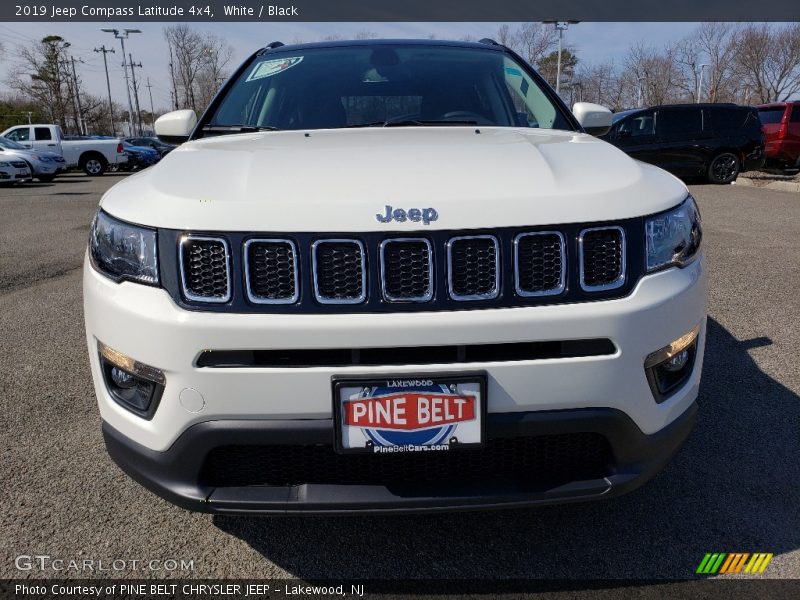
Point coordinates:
[(122, 36), (81, 124), (152, 110), (172, 76), (105, 51), (71, 88), (136, 94)]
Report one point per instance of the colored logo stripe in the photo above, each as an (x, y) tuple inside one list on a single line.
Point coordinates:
[(734, 563), (711, 563), (758, 563), (725, 563)]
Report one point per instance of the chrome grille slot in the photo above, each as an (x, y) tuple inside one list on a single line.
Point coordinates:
[(602, 258), (473, 268), (406, 270), (539, 263), (271, 271), (339, 268), (205, 269)]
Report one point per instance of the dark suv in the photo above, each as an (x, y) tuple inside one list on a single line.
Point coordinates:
[(715, 141)]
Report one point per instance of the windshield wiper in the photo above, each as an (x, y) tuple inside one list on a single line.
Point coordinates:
[(412, 123), (226, 129)]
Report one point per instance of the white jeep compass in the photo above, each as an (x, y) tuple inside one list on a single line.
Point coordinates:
[(393, 276)]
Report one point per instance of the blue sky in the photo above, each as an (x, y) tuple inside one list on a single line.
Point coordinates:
[(596, 42)]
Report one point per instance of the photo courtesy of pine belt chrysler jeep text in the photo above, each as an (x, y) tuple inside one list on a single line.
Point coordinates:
[(393, 276)]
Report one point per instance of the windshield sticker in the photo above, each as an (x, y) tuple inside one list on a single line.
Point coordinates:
[(268, 68), (523, 87), (513, 71)]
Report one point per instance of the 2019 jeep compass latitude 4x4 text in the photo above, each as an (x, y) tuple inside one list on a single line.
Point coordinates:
[(393, 276)]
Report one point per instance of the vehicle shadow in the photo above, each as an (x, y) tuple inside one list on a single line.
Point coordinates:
[(733, 487)]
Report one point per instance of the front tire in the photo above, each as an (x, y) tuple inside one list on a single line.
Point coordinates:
[(724, 168), (94, 165)]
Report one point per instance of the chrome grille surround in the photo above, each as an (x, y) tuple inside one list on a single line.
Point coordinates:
[(387, 295), (619, 281), (562, 259), (260, 299), (185, 287), (451, 268), (326, 299)]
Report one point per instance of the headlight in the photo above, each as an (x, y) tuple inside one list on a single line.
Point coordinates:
[(123, 251), (5, 164), (673, 237)]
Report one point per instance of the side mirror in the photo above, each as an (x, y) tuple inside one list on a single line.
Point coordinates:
[(175, 127), (595, 119)]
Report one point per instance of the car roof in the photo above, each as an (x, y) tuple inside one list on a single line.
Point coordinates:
[(779, 104), (483, 45)]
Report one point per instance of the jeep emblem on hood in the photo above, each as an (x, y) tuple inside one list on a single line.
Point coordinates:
[(426, 215)]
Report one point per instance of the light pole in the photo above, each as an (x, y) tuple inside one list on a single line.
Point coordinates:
[(561, 27), (639, 101), (700, 82), (122, 36)]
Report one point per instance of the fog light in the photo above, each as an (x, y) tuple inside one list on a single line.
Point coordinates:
[(121, 378), (677, 362), (133, 385), (670, 367)]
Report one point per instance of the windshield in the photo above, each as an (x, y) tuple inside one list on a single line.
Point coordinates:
[(356, 86), (10, 144), (617, 117), (772, 115)]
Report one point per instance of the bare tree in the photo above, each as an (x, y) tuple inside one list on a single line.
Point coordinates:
[(534, 41), (767, 61), (601, 83), (199, 65), (40, 76), (716, 40), (504, 35), (652, 73)]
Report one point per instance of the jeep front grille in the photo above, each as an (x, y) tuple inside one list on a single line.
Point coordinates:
[(205, 269), (540, 267), (602, 258), (339, 271), (374, 272), (271, 271), (473, 269), (406, 270)]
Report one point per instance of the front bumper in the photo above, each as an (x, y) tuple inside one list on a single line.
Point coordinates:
[(177, 474), (283, 406)]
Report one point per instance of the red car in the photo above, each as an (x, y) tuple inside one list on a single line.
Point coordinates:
[(781, 124)]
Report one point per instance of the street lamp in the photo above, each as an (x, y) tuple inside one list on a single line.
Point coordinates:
[(700, 82), (122, 36), (561, 27)]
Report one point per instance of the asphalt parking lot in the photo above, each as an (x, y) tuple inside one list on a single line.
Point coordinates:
[(734, 487)]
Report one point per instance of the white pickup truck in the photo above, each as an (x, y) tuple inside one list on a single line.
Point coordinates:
[(93, 156)]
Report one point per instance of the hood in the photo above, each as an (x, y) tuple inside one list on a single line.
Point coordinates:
[(340, 179)]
